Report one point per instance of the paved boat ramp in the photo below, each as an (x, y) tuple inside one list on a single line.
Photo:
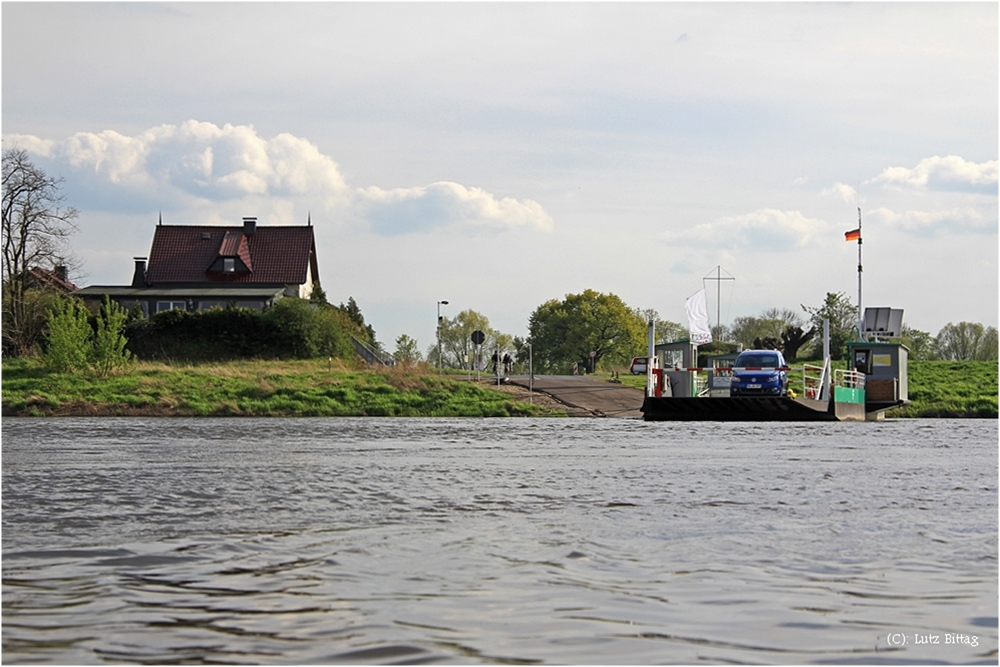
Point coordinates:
[(585, 396)]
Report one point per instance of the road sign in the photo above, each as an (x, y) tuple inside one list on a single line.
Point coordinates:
[(478, 337), (593, 353)]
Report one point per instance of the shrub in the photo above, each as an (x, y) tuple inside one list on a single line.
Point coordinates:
[(69, 336), (108, 353), (296, 328), (292, 328)]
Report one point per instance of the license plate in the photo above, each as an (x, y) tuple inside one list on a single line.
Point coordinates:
[(753, 386)]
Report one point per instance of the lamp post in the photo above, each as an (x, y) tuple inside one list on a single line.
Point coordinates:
[(531, 377), (439, 304)]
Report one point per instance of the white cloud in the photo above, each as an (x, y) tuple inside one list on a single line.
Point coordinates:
[(767, 230), (203, 166), (966, 220), (34, 145), (942, 173), (445, 204), (199, 159), (844, 192), (119, 158)]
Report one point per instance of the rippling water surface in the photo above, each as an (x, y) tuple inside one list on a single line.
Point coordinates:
[(466, 541)]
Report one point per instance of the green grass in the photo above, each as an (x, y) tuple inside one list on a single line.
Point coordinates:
[(936, 388), (253, 388), (318, 388), (951, 389)]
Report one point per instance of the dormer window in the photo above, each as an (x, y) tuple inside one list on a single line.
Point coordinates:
[(229, 265)]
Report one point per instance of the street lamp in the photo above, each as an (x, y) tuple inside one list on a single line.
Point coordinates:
[(440, 303), (531, 378)]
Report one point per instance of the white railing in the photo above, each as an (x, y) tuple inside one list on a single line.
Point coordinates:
[(852, 379), (814, 379)]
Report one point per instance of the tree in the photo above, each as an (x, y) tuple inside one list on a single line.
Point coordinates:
[(36, 226), (967, 341), (456, 340), (988, 347), (69, 336), (747, 329), (318, 296), (664, 331), (843, 316), (775, 329), (353, 313), (522, 353), (920, 343), (792, 340), (108, 353), (30, 333), (407, 352), (567, 331), (787, 317)]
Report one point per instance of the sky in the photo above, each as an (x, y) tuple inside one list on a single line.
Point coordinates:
[(497, 156)]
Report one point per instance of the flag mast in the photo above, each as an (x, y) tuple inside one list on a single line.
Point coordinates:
[(860, 273), (850, 236)]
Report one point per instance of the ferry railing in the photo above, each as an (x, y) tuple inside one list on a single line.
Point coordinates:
[(849, 378), (814, 379), (700, 381)]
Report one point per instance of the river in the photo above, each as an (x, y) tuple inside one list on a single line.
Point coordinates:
[(582, 541)]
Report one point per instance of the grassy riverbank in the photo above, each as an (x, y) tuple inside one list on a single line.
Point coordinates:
[(322, 389), (936, 388), (254, 388), (951, 389)]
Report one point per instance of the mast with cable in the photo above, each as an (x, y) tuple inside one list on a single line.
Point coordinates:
[(718, 301)]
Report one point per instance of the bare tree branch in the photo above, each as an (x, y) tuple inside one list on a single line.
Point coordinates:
[(36, 227)]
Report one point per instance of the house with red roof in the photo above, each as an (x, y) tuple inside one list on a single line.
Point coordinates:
[(197, 267)]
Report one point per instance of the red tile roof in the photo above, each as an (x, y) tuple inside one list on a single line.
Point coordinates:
[(44, 278), (275, 255)]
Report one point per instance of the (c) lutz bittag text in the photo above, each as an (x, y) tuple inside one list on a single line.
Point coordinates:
[(925, 638), (946, 638)]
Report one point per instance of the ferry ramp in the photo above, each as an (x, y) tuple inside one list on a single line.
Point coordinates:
[(585, 396)]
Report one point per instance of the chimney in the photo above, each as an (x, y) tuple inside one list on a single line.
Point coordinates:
[(61, 273), (139, 277), (249, 226)]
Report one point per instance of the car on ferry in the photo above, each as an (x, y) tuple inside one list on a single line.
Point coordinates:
[(639, 365), (759, 373)]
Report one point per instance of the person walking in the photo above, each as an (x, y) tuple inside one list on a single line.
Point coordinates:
[(508, 364)]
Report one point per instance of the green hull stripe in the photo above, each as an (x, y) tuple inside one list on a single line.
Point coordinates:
[(848, 395)]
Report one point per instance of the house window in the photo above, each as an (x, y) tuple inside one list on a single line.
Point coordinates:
[(170, 305), (205, 305), (229, 265)]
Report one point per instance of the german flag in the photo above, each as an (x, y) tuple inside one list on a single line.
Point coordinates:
[(853, 235)]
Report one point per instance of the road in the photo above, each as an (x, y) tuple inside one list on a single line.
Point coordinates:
[(586, 396)]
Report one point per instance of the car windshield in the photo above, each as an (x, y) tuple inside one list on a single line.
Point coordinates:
[(758, 361)]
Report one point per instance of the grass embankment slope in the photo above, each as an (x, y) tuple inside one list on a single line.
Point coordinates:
[(951, 389), (936, 388), (314, 388)]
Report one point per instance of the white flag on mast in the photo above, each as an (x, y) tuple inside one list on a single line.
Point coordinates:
[(697, 312)]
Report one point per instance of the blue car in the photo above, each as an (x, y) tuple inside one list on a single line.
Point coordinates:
[(758, 373)]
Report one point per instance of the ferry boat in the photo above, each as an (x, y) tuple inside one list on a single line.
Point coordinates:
[(677, 390)]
